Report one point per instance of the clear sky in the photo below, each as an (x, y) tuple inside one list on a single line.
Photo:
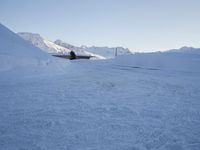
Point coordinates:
[(140, 25)]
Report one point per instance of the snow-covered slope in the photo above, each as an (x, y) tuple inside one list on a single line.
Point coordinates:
[(57, 47), (78, 50), (134, 102), (43, 43), (14, 51), (66, 45), (104, 105), (106, 52), (62, 47)]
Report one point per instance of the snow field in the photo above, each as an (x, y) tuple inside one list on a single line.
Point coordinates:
[(100, 106)]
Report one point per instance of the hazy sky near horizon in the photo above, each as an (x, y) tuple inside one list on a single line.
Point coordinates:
[(140, 25)]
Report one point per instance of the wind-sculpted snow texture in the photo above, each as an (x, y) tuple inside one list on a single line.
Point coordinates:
[(100, 105), (117, 104)]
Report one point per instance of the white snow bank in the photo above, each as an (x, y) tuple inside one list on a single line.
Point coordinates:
[(14, 51)]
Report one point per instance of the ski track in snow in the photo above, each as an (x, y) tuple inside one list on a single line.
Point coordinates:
[(101, 107)]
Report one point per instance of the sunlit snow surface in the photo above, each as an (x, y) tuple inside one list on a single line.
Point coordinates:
[(134, 102), (99, 105)]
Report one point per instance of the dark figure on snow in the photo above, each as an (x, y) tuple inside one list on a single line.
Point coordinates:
[(72, 55)]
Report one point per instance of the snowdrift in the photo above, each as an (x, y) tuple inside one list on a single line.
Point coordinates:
[(14, 51)]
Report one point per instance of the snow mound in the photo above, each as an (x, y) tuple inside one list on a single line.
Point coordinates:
[(14, 51)]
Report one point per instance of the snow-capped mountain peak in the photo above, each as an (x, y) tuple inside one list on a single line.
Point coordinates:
[(106, 52), (62, 47), (78, 50), (42, 43)]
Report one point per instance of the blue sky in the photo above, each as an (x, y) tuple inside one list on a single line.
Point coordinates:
[(140, 25)]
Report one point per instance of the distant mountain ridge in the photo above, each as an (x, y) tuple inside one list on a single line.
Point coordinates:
[(78, 50), (54, 47), (61, 47), (107, 52), (66, 45), (43, 43), (185, 49)]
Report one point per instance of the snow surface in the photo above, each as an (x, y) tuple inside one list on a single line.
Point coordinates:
[(161, 61), (135, 102)]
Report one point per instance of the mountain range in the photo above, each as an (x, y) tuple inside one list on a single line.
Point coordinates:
[(61, 47), (186, 50)]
